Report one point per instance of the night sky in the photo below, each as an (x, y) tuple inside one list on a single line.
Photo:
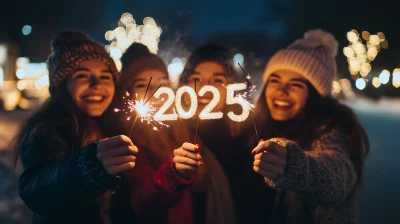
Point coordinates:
[(256, 28)]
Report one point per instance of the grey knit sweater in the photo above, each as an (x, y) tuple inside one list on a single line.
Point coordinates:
[(320, 182)]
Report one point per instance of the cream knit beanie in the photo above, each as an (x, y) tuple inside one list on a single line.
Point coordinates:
[(313, 57)]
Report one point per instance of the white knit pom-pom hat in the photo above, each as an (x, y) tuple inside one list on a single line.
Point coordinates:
[(313, 57)]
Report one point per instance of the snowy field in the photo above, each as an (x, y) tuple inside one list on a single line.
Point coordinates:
[(380, 201)]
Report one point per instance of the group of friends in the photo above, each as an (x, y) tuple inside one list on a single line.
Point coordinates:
[(82, 166)]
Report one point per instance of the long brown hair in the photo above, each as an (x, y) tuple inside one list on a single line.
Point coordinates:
[(73, 126), (320, 111)]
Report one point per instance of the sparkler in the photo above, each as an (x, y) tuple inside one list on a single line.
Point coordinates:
[(197, 118), (243, 98), (143, 109)]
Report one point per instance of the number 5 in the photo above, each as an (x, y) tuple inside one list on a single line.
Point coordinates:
[(231, 99)]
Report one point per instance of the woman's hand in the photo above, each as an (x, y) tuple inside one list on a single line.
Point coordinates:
[(117, 154), (269, 159), (187, 159)]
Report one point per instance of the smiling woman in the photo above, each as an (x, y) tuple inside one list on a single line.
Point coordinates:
[(315, 148), (69, 172), (286, 95), (91, 86)]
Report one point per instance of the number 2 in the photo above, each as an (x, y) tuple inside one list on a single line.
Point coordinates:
[(160, 116), (206, 112)]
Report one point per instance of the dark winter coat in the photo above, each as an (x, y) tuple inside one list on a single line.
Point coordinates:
[(61, 182)]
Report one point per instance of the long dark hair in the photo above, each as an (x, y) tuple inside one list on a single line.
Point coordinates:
[(73, 126), (322, 114)]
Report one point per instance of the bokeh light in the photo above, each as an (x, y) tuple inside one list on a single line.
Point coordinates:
[(384, 76), (128, 32), (360, 84), (376, 82), (26, 30)]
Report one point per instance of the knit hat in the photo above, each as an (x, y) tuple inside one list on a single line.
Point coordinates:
[(313, 57), (138, 59), (69, 49)]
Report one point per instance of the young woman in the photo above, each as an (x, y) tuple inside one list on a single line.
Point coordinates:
[(209, 65), (169, 176), (70, 164), (315, 148)]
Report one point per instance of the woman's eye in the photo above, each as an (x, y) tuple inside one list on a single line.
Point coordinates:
[(105, 77), (140, 86), (297, 85), (274, 81), (218, 80), (195, 79), (81, 76)]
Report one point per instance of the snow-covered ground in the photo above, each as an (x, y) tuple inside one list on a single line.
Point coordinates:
[(380, 201)]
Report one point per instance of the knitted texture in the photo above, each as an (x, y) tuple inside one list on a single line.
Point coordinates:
[(324, 177), (71, 48), (313, 57)]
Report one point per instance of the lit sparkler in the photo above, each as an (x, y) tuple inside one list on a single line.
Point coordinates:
[(143, 110), (245, 99)]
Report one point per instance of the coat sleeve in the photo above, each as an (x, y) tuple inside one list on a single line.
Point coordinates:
[(324, 174), (56, 182), (153, 191)]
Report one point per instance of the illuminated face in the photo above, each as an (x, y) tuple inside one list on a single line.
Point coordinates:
[(91, 87), (286, 95), (210, 73), (141, 81)]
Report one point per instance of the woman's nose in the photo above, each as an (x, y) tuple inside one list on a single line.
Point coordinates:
[(284, 88), (94, 80)]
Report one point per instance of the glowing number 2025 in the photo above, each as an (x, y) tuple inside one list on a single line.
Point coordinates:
[(160, 116), (231, 99), (206, 112)]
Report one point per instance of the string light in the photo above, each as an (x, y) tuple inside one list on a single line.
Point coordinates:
[(128, 32), (360, 55)]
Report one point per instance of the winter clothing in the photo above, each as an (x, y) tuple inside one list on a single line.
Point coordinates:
[(318, 185), (248, 189), (312, 57), (158, 193), (137, 59), (61, 181), (219, 137), (69, 49), (175, 200)]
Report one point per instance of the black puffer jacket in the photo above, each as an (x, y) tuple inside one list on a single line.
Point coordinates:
[(60, 183)]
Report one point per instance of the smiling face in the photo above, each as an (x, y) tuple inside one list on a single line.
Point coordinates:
[(286, 95), (140, 82), (91, 87), (210, 73)]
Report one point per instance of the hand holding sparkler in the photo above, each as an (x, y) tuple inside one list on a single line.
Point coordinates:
[(117, 154), (187, 159), (270, 159)]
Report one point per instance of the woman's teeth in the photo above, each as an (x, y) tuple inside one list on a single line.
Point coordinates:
[(93, 98), (282, 103)]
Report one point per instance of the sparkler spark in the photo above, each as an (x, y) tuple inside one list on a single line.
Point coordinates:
[(245, 98), (143, 110)]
